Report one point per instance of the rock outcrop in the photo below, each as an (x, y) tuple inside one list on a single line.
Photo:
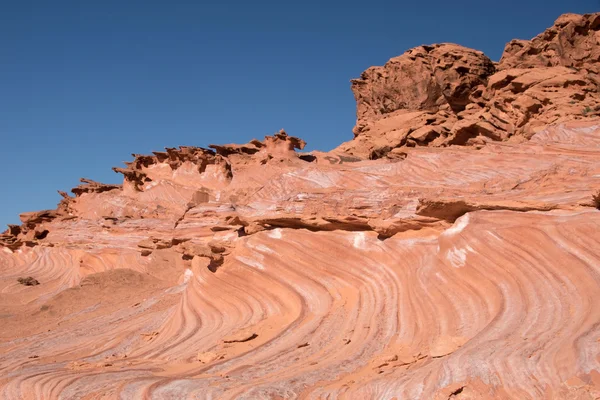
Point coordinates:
[(426, 78), (446, 94), (573, 41), (405, 264)]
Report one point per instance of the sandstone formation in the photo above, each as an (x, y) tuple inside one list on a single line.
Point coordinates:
[(571, 42), (406, 264), (443, 95)]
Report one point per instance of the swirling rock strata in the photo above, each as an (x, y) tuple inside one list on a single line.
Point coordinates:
[(255, 272)]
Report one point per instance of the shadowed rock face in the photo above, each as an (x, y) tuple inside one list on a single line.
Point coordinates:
[(256, 272), (447, 94)]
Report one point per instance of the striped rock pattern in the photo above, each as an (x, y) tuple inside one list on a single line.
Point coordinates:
[(451, 273)]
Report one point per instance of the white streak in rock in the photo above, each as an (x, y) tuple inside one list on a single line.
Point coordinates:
[(457, 257), (359, 240), (460, 224), (250, 262), (187, 275), (275, 234)]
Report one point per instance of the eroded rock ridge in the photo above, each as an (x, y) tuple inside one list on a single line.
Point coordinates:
[(449, 251)]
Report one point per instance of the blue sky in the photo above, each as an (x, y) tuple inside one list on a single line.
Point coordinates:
[(85, 84)]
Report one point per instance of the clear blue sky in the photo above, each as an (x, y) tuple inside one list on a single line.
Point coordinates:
[(83, 84)]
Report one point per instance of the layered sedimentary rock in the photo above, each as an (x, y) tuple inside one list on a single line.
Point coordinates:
[(447, 94), (379, 270)]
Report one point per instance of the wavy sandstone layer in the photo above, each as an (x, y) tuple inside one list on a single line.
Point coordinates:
[(256, 272)]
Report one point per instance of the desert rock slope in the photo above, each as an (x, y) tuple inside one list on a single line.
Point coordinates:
[(451, 250)]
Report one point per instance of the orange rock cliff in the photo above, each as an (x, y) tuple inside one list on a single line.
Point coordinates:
[(449, 250)]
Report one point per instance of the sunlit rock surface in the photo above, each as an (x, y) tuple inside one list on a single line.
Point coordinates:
[(446, 94), (257, 272)]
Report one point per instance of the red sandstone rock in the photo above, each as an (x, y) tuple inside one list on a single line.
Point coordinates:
[(446, 94), (417, 270), (573, 41)]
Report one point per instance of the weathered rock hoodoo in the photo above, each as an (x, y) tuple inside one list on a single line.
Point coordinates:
[(450, 250)]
